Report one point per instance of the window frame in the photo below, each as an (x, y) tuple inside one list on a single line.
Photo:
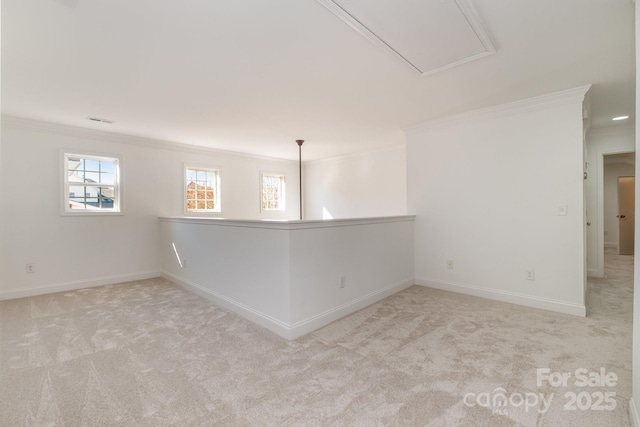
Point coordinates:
[(217, 191), (118, 205), (283, 196)]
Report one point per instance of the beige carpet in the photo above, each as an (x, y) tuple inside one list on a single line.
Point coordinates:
[(151, 354)]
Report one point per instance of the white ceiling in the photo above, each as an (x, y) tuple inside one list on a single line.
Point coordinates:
[(254, 75), (400, 29)]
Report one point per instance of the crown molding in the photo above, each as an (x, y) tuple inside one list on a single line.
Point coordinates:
[(569, 96), (119, 138), (611, 130), (347, 157)]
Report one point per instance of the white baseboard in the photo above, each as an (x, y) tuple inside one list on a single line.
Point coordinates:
[(311, 324), (72, 286), (279, 327), (506, 296), (595, 273), (634, 416), (298, 329), (611, 245)]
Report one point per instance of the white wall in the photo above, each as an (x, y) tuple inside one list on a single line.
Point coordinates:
[(70, 252), (611, 174), (361, 185), (634, 408), (243, 265), (372, 257), (486, 188), (600, 142), (286, 276)]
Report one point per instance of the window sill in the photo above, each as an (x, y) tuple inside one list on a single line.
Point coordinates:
[(90, 213)]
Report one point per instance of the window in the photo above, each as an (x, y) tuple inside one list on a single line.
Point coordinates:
[(91, 184), (272, 192), (202, 189)]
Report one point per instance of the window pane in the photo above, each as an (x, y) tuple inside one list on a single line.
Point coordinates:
[(91, 165), (92, 172), (108, 178), (76, 190), (108, 167), (74, 164), (107, 192), (75, 167), (92, 177), (272, 192), (201, 189)]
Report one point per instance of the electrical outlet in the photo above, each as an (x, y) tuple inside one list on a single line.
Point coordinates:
[(530, 274), (30, 268), (450, 264), (342, 282)]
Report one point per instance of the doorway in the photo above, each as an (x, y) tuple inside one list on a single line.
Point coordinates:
[(619, 203), (626, 214)]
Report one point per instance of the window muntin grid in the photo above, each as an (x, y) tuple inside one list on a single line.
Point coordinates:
[(202, 189), (272, 192), (91, 184)]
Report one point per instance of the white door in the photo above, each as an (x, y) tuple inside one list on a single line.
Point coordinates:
[(626, 214)]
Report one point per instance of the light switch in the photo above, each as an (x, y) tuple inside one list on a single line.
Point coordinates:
[(562, 210)]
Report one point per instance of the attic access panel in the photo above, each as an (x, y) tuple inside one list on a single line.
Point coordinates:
[(427, 35)]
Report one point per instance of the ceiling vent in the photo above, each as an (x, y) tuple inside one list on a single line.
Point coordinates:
[(98, 119), (426, 35)]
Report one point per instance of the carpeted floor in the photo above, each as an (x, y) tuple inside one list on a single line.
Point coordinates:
[(151, 354)]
